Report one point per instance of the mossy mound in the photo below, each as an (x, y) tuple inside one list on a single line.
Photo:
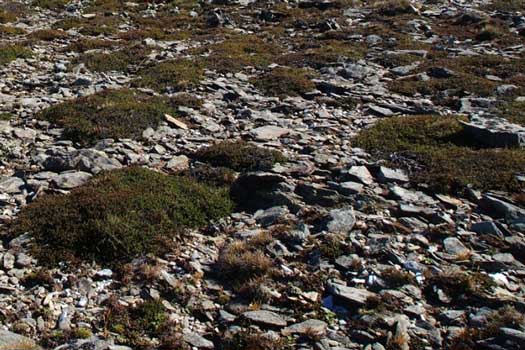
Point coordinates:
[(216, 176), (48, 34), (120, 60), (120, 215), (98, 25), (7, 17), (86, 44), (394, 7), (8, 31), (108, 114), (468, 76), (506, 5), (50, 4), (240, 51), (513, 111), (176, 75), (319, 53), (12, 52), (449, 160), (284, 82), (240, 156), (137, 326)]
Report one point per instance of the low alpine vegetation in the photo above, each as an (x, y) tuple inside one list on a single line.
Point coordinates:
[(242, 261), (12, 52), (239, 156), (139, 325), (284, 82), (120, 215), (238, 52), (120, 60), (48, 34), (171, 75), (448, 159), (109, 114)]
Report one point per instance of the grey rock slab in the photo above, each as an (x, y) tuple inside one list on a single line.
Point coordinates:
[(11, 184), (178, 163), (514, 335), (454, 246), (402, 337), (380, 111), (411, 196), (348, 188), (313, 326), (410, 209), (340, 220), (495, 132), (71, 180), (269, 132), (347, 262), (385, 174), (499, 208), (360, 173), (197, 341), (356, 296), (271, 215), (265, 317), (486, 227), (24, 134), (13, 341), (356, 71)]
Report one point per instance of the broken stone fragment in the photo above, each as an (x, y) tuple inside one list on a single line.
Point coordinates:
[(495, 132), (265, 317), (13, 341), (310, 327), (175, 122), (351, 295)]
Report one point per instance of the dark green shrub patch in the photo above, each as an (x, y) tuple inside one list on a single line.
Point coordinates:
[(120, 215), (48, 34), (120, 60), (239, 156), (137, 326), (285, 82), (12, 52), (506, 5), (448, 158), (176, 74), (217, 176), (98, 25), (317, 54), (7, 17), (50, 4), (513, 111), (86, 44), (468, 76), (108, 114), (239, 51)]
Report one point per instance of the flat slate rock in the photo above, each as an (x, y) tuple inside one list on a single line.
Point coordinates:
[(495, 132), (268, 132), (71, 180), (265, 317), (11, 184), (13, 341), (313, 326), (356, 296), (198, 341)]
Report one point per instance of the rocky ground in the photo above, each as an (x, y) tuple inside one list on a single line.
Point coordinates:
[(339, 174)]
